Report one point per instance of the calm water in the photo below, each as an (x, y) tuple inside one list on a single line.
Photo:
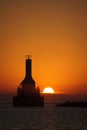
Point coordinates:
[(48, 117)]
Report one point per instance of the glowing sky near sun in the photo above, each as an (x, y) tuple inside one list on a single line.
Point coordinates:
[(54, 32)]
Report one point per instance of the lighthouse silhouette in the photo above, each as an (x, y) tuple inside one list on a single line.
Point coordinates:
[(27, 92)]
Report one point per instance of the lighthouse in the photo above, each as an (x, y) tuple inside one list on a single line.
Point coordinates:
[(27, 92)]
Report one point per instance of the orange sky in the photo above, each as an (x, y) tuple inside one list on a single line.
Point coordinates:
[(54, 32)]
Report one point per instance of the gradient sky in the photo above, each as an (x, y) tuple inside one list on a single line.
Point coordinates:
[(54, 32)]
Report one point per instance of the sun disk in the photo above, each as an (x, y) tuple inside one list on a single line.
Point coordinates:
[(48, 90)]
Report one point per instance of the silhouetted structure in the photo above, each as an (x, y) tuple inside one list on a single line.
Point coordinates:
[(72, 104), (27, 94)]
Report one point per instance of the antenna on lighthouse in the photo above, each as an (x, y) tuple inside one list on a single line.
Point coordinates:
[(28, 57)]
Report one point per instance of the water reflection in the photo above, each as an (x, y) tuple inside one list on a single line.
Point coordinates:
[(42, 118)]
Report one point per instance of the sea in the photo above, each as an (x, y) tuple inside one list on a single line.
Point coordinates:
[(48, 117)]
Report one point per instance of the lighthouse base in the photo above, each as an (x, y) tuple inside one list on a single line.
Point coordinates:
[(20, 101)]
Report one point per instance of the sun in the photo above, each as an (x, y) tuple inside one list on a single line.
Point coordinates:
[(48, 90)]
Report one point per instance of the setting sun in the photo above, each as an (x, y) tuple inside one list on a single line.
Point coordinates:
[(48, 90)]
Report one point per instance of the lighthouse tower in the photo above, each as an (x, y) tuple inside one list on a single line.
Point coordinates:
[(27, 93)]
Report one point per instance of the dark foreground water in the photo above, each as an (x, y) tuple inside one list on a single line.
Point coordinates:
[(42, 118)]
